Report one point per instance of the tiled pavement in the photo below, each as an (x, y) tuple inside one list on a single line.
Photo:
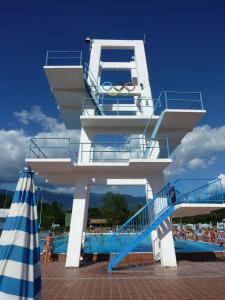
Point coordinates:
[(191, 280)]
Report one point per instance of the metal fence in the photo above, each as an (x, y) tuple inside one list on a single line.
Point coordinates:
[(63, 58), (45, 148)]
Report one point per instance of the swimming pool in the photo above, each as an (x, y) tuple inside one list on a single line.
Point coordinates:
[(95, 243)]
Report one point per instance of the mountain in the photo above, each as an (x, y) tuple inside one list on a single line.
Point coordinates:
[(96, 200), (66, 200)]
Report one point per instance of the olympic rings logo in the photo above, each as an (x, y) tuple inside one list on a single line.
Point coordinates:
[(117, 88)]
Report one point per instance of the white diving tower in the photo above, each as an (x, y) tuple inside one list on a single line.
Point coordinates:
[(143, 133)]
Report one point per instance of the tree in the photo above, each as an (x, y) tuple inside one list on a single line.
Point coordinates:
[(5, 200), (115, 208), (94, 213), (51, 213)]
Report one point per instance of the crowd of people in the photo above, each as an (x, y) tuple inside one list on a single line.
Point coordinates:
[(204, 234)]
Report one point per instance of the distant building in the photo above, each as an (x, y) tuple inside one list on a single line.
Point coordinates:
[(98, 222)]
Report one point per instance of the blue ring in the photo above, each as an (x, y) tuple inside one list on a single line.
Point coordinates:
[(107, 83)]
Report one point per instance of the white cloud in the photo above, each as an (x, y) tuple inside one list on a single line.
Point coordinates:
[(12, 151), (36, 115), (196, 163), (197, 150), (60, 189), (14, 143), (110, 154)]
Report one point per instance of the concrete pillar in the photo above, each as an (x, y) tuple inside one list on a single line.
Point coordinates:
[(85, 148), (167, 250), (154, 234), (79, 211), (162, 237)]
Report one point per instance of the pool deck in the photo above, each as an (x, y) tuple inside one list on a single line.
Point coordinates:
[(190, 280)]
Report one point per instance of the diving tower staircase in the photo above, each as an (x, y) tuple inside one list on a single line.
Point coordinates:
[(93, 89), (155, 211), (149, 141)]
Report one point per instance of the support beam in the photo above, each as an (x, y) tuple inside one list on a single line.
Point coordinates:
[(79, 211), (118, 65), (118, 181)]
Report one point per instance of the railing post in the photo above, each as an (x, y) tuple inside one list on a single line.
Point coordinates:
[(69, 153), (166, 99), (167, 145), (201, 100), (83, 113), (81, 149), (81, 58), (29, 147), (46, 59)]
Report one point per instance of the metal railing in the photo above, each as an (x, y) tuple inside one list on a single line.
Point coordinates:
[(211, 192), (43, 148), (179, 100), (131, 106), (63, 58), (49, 148), (176, 100), (117, 106)]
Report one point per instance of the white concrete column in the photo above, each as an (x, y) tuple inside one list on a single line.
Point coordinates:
[(85, 153), (162, 237), (80, 207), (154, 234), (167, 250), (143, 77), (95, 55)]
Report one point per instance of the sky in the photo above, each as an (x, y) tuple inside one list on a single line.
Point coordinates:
[(185, 46)]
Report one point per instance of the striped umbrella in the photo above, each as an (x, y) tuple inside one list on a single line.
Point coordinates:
[(20, 276)]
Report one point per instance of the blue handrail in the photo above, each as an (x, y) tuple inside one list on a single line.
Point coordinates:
[(93, 88)]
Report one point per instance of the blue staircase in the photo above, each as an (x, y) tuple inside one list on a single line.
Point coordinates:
[(150, 141), (93, 90), (155, 211)]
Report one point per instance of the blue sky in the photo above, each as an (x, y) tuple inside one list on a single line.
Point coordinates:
[(185, 46)]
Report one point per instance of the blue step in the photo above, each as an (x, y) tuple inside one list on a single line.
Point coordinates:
[(92, 88), (93, 98), (119, 256)]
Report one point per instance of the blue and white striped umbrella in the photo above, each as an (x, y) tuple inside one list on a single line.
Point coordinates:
[(20, 276)]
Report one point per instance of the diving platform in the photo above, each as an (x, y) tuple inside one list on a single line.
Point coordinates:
[(195, 209), (68, 87), (66, 172)]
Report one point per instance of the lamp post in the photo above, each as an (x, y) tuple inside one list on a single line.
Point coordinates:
[(41, 202), (41, 208), (6, 194)]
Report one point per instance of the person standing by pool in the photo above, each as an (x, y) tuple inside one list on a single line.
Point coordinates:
[(48, 247)]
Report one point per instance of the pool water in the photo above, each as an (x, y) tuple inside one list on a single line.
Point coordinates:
[(99, 243)]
